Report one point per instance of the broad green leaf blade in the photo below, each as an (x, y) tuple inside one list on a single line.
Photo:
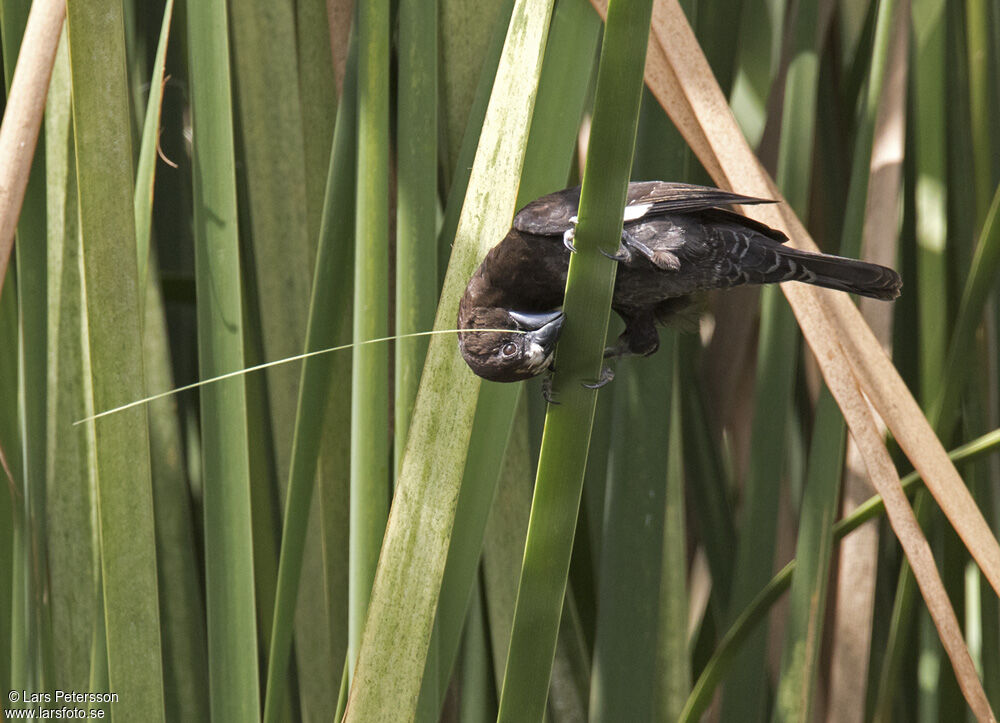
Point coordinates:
[(107, 224), (73, 554), (562, 92), (391, 663), (232, 631)]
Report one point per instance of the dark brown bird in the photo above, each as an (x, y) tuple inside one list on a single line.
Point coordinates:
[(677, 241)]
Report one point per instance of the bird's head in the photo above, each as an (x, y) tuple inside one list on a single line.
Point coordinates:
[(508, 356)]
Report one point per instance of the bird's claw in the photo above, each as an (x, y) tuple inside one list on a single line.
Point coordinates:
[(622, 254), (569, 234), (606, 376), (547, 394), (568, 241)]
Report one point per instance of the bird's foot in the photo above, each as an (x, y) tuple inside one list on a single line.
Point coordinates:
[(617, 351), (629, 245), (547, 394), (569, 234), (622, 254), (606, 376)]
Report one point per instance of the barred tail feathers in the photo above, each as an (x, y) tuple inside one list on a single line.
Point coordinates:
[(766, 261)]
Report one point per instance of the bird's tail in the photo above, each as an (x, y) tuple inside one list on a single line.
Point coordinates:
[(831, 272)]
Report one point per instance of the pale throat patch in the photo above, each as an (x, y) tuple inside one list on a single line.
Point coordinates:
[(536, 356)]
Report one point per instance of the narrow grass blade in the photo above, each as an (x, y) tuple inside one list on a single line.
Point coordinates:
[(229, 572), (270, 118), (753, 614), (977, 48), (33, 356), (10, 473), (867, 360), (145, 173), (673, 658), (370, 453), (331, 290), (185, 654), (457, 180), (932, 217), (777, 362), (504, 544), (858, 625), (590, 284), (803, 634), (182, 600), (391, 663), (107, 225), (281, 251), (478, 701), (624, 683), (821, 496), (317, 85), (416, 204), (704, 461), (319, 96), (466, 54)]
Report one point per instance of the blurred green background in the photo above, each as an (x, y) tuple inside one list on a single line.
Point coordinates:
[(220, 185)]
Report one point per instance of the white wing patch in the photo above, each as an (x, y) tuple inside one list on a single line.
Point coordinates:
[(636, 211)]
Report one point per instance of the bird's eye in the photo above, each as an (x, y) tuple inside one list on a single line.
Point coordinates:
[(509, 349)]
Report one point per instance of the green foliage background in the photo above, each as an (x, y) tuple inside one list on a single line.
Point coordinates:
[(220, 185)]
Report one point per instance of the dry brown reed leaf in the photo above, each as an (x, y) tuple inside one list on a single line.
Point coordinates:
[(858, 559), (848, 353), (23, 117)]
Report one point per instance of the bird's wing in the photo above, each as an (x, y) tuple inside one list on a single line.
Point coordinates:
[(553, 214), (549, 215), (656, 198)]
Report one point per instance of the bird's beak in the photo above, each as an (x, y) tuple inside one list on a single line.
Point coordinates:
[(543, 328), (533, 322)]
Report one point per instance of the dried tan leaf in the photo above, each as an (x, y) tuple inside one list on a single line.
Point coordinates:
[(23, 117), (845, 347), (858, 561)]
